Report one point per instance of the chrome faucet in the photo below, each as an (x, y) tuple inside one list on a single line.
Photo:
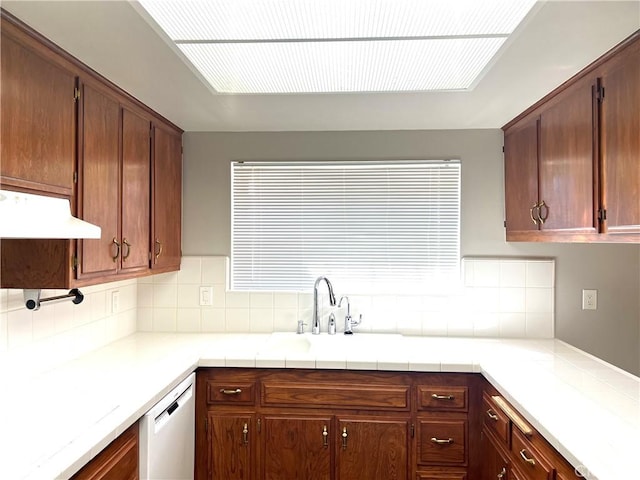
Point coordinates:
[(349, 323), (315, 327)]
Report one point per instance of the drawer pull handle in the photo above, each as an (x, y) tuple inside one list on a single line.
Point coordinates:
[(502, 474), (530, 461), (542, 218), (344, 438), (245, 434), (440, 441), (492, 415), (159, 249), (124, 257), (228, 391), (536, 217), (325, 434), (117, 244), (435, 396)]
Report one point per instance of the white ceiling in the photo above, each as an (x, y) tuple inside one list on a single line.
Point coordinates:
[(555, 41)]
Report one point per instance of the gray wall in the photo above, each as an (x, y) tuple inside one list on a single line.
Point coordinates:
[(612, 332)]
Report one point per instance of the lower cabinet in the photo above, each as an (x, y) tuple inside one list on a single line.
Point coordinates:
[(118, 461), (231, 446)]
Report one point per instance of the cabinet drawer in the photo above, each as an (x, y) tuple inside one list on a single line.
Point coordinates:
[(494, 419), (442, 441), (336, 396), (231, 393), (442, 397), (528, 459)]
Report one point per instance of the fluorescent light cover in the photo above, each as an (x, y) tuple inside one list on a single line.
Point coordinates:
[(296, 46)]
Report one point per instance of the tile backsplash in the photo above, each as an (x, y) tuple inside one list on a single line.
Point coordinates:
[(498, 297)]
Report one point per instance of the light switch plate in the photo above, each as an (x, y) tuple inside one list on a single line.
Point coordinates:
[(206, 296), (589, 299), (115, 301)]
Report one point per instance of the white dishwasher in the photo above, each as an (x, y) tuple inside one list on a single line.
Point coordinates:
[(167, 435)]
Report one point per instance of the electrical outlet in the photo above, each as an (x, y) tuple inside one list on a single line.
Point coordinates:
[(589, 299), (206, 296), (115, 301)]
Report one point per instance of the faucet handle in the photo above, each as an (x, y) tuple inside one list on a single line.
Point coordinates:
[(301, 325), (332, 324), (354, 323)]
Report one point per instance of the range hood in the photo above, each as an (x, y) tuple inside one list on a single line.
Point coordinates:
[(24, 215)]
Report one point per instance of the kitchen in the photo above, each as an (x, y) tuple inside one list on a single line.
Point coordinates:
[(158, 304)]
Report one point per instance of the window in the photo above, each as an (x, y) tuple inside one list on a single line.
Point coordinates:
[(370, 227)]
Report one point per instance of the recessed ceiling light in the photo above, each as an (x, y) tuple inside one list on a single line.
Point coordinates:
[(311, 46)]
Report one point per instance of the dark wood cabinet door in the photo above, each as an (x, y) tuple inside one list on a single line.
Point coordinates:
[(620, 141), (231, 445), (296, 448), (136, 191), (374, 448), (118, 461), (99, 180), (495, 464), (38, 124), (521, 176), (167, 199), (567, 160)]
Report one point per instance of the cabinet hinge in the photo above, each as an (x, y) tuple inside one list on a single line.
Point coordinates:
[(76, 94), (602, 214), (413, 430), (600, 93), (75, 177), (259, 425), (74, 262), (503, 149), (505, 224)]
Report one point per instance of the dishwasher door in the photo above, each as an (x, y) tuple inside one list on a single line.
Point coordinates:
[(167, 435)]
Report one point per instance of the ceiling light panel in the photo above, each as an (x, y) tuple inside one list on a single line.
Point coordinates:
[(300, 46)]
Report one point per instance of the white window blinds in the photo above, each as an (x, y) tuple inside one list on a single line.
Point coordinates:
[(369, 226)]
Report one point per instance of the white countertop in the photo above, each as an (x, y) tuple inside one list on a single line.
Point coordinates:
[(53, 422)]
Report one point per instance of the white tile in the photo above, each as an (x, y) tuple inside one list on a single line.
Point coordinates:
[(481, 299), (237, 300), (285, 320), (164, 319), (540, 274), (15, 299), (82, 313), (512, 325), (99, 305), (145, 319), (4, 296), (261, 300), (380, 321), (213, 320), (540, 325), (219, 296), (512, 300), (165, 295), (19, 328), (128, 297), (410, 323), (189, 296), (190, 271), (539, 300), (383, 302), (188, 320), (237, 320), (486, 325), (285, 300), (513, 273), (63, 316), (214, 270), (3, 332), (166, 278), (459, 326), (434, 324), (261, 320), (44, 324), (145, 295), (486, 273), (468, 272)]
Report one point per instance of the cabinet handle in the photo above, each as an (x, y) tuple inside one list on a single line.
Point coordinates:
[(325, 434), (530, 461), (502, 474), (158, 250), (228, 391), (124, 257), (344, 438), (546, 214), (245, 434), (535, 218), (440, 441), (115, 242), (492, 415), (435, 396)]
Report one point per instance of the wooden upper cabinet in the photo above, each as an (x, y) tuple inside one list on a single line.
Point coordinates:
[(567, 160), (620, 141), (38, 147), (167, 198), (99, 191), (521, 176)]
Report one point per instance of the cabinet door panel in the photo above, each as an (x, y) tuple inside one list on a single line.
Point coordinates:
[(521, 176), (136, 191), (566, 163), (620, 142), (230, 454), (372, 448), (167, 199), (38, 121), (296, 448), (99, 179), (495, 463)]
